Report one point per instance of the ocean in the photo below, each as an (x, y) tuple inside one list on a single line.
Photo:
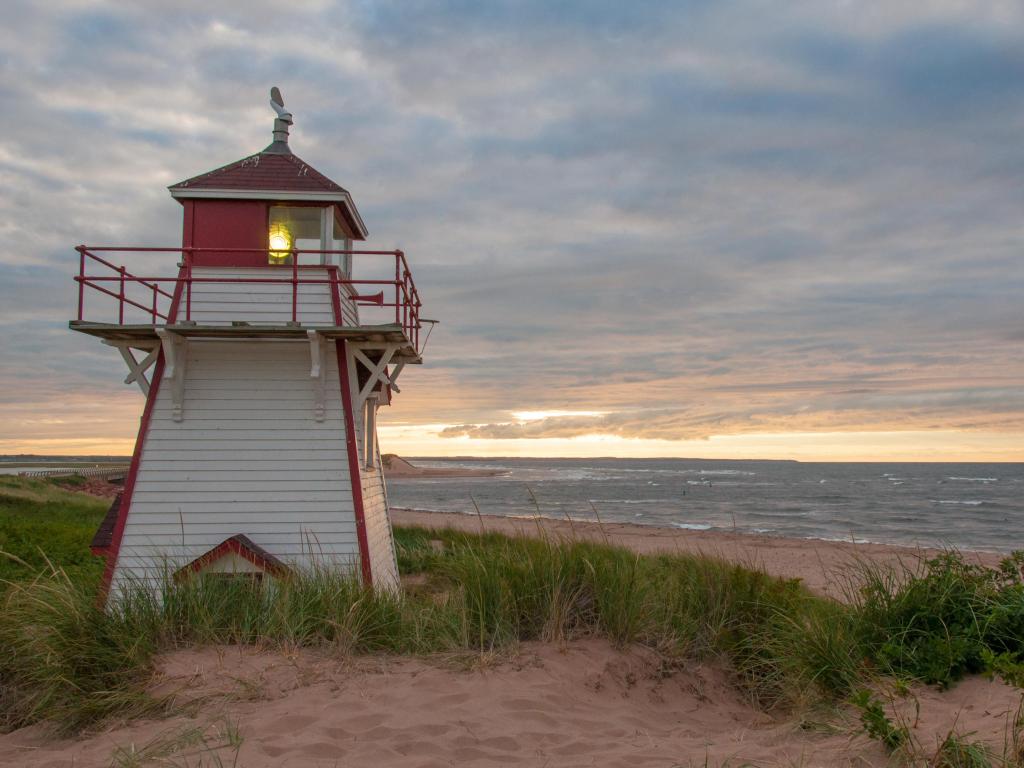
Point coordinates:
[(967, 506)]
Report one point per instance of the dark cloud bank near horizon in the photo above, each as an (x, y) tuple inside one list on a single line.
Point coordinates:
[(699, 218)]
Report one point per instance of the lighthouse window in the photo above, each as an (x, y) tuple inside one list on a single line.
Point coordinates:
[(294, 228), (340, 241)]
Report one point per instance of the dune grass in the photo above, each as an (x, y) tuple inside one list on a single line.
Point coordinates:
[(64, 660)]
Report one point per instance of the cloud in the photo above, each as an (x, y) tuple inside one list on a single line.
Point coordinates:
[(700, 218)]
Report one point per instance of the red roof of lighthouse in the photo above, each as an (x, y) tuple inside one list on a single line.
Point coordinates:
[(263, 171)]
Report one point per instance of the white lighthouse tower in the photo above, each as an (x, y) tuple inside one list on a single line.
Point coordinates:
[(263, 362)]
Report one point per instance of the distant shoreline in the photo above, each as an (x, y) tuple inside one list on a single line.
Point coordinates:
[(396, 466)]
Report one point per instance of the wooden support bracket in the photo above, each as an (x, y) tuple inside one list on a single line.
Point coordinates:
[(175, 349), (377, 370), (317, 372), (137, 368)]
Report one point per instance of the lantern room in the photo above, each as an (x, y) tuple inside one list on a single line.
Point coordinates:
[(267, 209)]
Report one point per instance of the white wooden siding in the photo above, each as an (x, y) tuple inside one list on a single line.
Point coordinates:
[(264, 303), (243, 461), (377, 518), (349, 309)]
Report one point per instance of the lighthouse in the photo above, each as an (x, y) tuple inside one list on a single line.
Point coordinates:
[(264, 353)]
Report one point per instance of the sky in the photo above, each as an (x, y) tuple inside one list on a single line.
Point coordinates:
[(728, 228)]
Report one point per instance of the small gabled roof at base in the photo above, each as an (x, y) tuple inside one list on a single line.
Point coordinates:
[(240, 545), (105, 533)]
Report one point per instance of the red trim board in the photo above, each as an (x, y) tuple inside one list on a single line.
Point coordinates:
[(355, 476)]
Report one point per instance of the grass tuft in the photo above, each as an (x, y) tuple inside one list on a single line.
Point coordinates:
[(956, 751)]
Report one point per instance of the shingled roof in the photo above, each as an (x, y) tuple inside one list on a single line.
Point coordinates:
[(264, 171)]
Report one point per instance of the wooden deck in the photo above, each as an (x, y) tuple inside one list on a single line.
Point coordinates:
[(390, 333)]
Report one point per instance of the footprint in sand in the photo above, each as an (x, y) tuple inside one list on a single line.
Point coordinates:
[(322, 750), (293, 723), (519, 704), (362, 722), (465, 754), (417, 748), (338, 733), (430, 729), (450, 699), (504, 743)]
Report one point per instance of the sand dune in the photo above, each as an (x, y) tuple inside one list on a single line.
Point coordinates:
[(583, 705)]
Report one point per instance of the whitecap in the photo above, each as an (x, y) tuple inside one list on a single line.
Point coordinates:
[(632, 501)]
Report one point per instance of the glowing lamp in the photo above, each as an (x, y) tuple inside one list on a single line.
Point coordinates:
[(280, 241)]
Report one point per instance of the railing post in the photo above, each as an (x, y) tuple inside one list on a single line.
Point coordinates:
[(120, 314), (188, 284), (154, 303), (405, 303), (295, 286), (398, 264), (81, 280)]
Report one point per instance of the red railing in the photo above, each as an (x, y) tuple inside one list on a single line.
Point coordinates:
[(163, 300)]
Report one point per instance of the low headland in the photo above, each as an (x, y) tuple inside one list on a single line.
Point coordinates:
[(532, 642), (396, 466)]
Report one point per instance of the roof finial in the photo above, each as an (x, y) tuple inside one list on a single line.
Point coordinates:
[(281, 123)]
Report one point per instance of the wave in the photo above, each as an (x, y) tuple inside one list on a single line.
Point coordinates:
[(395, 508), (634, 501), (692, 526), (975, 479), (843, 539), (968, 503), (725, 472)]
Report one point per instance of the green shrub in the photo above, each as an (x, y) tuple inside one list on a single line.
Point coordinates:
[(936, 624), (877, 723)]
